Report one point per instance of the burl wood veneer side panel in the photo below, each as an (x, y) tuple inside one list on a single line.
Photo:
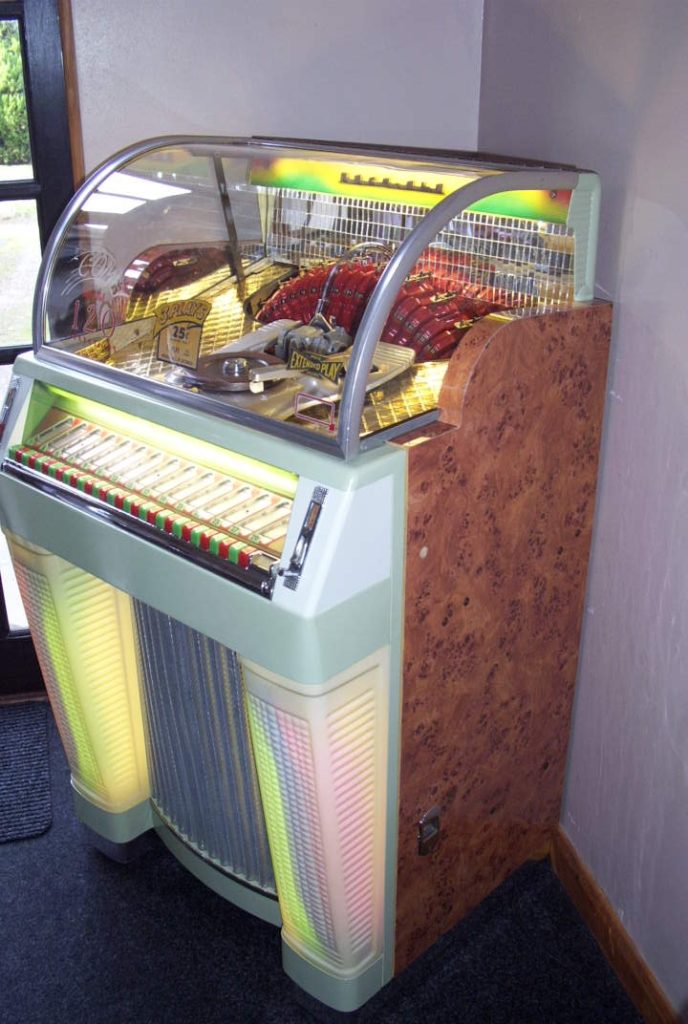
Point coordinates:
[(500, 512)]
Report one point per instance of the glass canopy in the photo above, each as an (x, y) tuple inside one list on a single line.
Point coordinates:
[(315, 291)]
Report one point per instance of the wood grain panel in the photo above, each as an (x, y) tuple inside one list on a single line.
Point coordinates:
[(500, 511)]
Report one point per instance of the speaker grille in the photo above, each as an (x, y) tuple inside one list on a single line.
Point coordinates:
[(203, 778)]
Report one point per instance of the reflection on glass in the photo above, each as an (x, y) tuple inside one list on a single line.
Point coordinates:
[(13, 602), (15, 148), (21, 256)]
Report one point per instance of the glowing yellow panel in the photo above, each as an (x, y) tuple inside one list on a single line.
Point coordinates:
[(84, 637), (261, 474)]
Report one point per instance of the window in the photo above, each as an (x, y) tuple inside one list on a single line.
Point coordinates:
[(36, 180)]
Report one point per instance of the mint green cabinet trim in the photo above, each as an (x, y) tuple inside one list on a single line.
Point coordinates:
[(584, 218), (119, 827), (396, 697), (310, 650), (343, 994)]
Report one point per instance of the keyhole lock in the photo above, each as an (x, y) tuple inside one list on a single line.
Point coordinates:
[(429, 831)]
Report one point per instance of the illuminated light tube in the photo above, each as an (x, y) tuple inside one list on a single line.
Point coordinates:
[(83, 632), (386, 183), (321, 757), (193, 449)]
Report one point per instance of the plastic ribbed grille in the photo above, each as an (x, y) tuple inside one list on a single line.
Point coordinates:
[(351, 733), (83, 631), (287, 771), (57, 672), (321, 764), (203, 776), (92, 612)]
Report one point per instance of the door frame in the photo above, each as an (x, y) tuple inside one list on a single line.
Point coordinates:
[(46, 34)]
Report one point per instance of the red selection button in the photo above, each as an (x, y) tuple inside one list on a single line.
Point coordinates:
[(246, 556)]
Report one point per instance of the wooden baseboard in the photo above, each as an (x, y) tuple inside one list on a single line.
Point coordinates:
[(634, 974), (24, 698)]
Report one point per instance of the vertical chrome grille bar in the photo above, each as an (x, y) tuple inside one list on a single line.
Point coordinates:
[(204, 782)]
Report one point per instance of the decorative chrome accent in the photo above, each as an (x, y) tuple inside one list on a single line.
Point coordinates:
[(398, 269), (292, 574), (8, 403), (429, 832)]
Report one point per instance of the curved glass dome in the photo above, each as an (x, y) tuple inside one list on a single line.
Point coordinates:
[(310, 290)]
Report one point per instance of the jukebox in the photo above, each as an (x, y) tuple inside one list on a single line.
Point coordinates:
[(298, 485)]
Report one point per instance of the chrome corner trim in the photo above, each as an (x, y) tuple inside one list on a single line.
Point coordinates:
[(401, 265)]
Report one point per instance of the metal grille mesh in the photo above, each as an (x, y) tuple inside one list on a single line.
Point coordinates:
[(521, 261), (203, 779), (412, 393), (516, 262), (308, 227)]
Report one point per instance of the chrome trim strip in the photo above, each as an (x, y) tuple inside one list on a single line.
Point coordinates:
[(398, 269), (254, 580), (399, 429)]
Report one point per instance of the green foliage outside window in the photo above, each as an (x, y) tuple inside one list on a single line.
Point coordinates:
[(14, 127)]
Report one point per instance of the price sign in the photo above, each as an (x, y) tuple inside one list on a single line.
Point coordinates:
[(178, 330)]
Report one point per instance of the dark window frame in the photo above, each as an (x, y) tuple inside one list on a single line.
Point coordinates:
[(44, 28), (46, 100)]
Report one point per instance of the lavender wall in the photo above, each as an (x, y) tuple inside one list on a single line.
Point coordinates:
[(359, 71), (604, 84)]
